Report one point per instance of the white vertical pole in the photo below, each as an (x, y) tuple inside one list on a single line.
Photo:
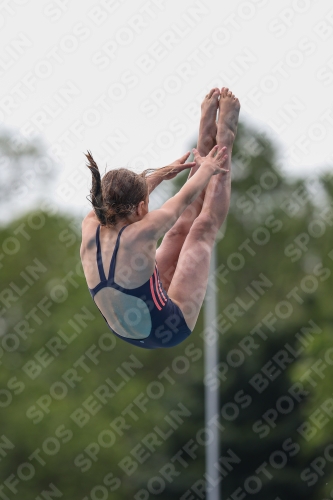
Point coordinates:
[(211, 359)]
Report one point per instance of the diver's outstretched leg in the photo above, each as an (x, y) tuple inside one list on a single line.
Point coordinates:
[(168, 252), (219, 186), (189, 283)]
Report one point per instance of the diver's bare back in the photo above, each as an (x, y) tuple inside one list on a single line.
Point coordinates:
[(135, 258)]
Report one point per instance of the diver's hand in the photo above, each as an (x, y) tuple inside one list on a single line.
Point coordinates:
[(177, 166), (216, 158)]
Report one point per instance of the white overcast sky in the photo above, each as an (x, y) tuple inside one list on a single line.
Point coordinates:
[(125, 79)]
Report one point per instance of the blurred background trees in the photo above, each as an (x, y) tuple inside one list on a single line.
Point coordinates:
[(26, 170), (87, 416)]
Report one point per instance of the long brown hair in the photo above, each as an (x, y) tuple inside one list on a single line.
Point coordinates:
[(119, 192)]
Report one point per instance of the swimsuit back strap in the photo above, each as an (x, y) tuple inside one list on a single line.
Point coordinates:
[(99, 255), (114, 255)]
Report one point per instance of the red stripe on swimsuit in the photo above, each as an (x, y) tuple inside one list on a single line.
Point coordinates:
[(157, 288), (159, 284), (153, 294)]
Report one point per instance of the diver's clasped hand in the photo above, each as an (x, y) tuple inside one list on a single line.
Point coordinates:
[(170, 171)]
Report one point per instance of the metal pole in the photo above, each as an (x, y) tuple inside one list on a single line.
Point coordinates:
[(211, 358)]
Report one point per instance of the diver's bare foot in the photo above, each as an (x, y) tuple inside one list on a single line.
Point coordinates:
[(208, 129), (229, 107)]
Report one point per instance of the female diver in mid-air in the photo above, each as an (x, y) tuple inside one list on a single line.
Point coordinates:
[(151, 297)]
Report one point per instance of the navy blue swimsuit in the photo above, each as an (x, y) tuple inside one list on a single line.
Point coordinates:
[(147, 317)]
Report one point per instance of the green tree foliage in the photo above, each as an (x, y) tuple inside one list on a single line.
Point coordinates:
[(274, 276), (90, 416)]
